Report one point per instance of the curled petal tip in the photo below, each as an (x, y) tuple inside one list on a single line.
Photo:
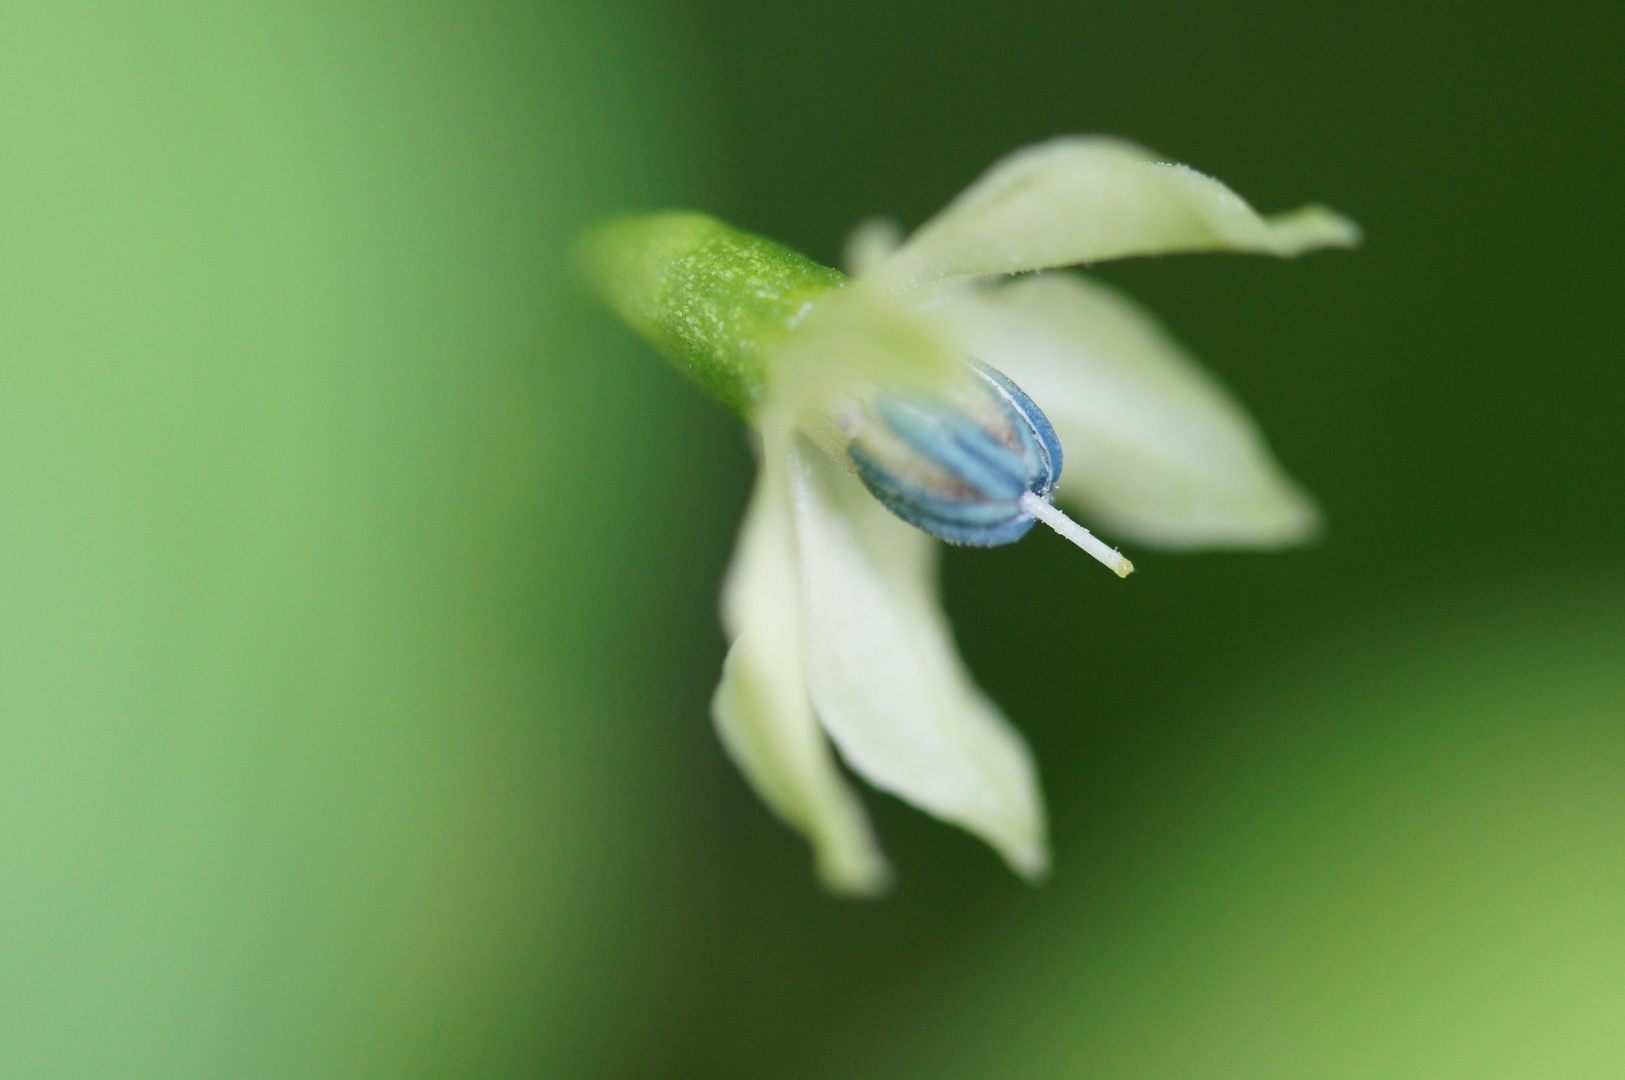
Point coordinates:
[(863, 880), (1313, 227)]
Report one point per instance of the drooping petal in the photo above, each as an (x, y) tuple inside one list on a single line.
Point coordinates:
[(886, 679), (761, 708), (1080, 200), (1156, 450)]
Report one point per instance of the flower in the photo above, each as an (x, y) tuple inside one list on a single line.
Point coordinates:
[(900, 404)]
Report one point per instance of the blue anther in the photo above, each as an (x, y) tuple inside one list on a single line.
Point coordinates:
[(959, 480)]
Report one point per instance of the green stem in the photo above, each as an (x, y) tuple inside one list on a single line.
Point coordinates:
[(714, 300)]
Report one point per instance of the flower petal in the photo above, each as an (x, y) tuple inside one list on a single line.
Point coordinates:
[(886, 679), (1156, 450), (1080, 200), (852, 342), (761, 708), (868, 244)]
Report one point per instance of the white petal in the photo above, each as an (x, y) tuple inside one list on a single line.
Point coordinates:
[(869, 243), (761, 707), (1080, 200), (886, 679), (853, 342), (1154, 448)]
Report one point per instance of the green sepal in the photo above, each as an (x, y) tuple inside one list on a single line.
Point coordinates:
[(714, 300)]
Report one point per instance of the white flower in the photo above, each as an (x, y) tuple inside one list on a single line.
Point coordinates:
[(830, 604)]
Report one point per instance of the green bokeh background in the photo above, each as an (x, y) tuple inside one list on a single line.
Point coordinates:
[(357, 577)]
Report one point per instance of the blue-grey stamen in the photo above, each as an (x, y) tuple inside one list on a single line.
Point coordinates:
[(958, 468), (976, 469)]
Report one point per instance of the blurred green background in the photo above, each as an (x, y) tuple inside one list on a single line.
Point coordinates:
[(357, 577)]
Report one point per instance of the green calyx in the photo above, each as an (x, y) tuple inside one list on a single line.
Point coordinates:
[(714, 300)]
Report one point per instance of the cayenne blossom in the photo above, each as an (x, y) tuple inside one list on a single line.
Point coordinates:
[(931, 395)]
